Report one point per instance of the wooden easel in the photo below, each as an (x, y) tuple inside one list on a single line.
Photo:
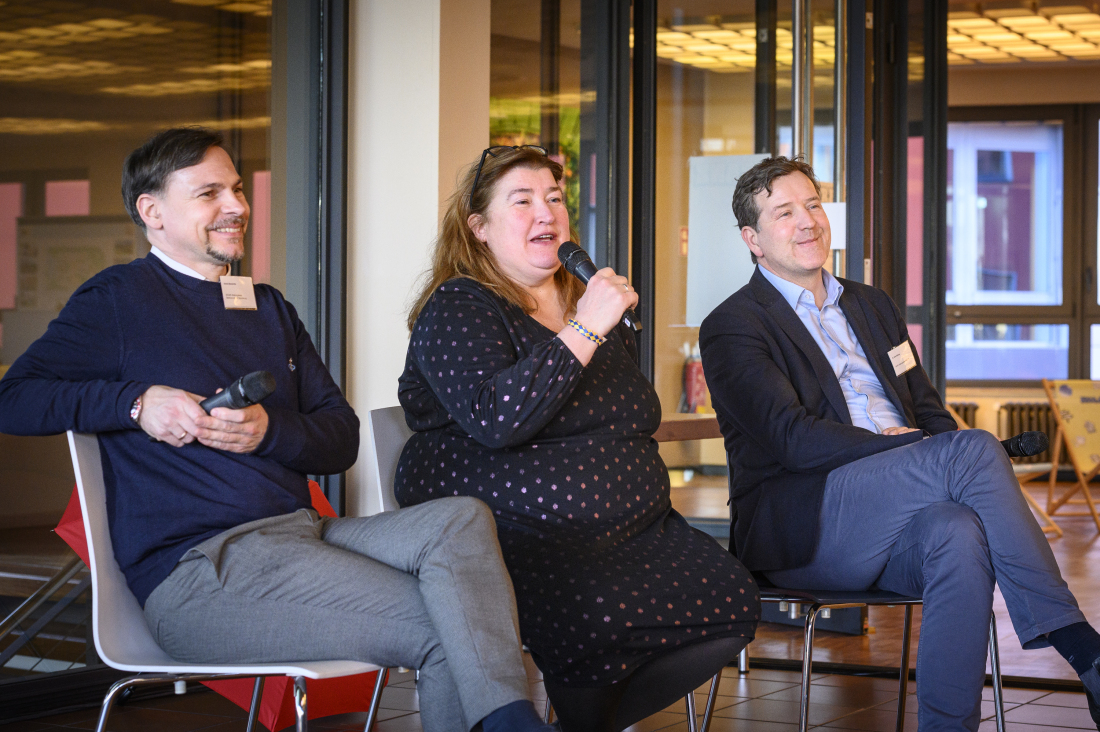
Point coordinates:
[(1076, 407)]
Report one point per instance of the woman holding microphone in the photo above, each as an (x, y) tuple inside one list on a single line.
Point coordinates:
[(522, 389)]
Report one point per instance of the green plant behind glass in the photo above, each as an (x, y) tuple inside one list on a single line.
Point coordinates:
[(518, 122)]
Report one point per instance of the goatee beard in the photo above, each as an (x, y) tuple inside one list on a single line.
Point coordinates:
[(223, 257)]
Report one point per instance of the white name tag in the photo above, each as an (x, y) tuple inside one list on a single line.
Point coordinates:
[(237, 293), (902, 358)]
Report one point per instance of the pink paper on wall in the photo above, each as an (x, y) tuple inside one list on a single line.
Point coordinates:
[(68, 197), (11, 208), (260, 224)]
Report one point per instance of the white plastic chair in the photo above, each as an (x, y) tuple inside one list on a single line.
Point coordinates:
[(123, 640), (387, 434)]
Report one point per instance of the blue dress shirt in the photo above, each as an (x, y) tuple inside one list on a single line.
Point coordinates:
[(868, 404)]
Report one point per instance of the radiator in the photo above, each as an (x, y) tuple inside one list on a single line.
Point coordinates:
[(1016, 417), (966, 410)]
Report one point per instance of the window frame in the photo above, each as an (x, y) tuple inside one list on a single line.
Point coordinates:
[(1073, 248)]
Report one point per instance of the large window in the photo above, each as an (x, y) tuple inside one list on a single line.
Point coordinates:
[(1013, 246), (83, 82)]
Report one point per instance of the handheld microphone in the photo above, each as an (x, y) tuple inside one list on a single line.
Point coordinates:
[(1026, 444), (577, 263), (243, 392)]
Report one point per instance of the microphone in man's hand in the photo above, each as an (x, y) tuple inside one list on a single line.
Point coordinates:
[(1026, 444), (244, 392), (577, 263)]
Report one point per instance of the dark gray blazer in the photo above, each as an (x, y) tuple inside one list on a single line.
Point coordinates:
[(783, 414)]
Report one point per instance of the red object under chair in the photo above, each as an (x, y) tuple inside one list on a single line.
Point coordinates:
[(327, 697)]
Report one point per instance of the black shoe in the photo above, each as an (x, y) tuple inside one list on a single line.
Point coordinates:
[(1091, 680)]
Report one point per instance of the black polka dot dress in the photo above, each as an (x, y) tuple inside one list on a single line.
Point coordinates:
[(606, 574)]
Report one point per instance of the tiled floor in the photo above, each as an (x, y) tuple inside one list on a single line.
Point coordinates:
[(761, 701)]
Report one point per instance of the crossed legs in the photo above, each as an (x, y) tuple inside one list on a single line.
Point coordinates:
[(943, 519), (424, 587)]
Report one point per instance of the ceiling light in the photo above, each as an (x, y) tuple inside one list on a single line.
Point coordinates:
[(998, 36), (705, 48), (718, 36), (674, 38), (967, 24), (668, 51), (42, 126), (109, 23), (1024, 22), (957, 38), (1048, 35), (241, 7), (695, 27), (1070, 47), (1076, 18), (983, 52)]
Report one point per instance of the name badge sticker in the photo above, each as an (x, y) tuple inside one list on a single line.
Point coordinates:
[(902, 358), (237, 293)]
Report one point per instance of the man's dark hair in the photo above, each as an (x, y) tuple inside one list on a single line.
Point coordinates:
[(761, 177), (147, 169)]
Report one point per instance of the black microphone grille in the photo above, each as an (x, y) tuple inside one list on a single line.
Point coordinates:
[(567, 250), (257, 386), (1033, 443)]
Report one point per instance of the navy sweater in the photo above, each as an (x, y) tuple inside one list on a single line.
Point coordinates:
[(140, 324)]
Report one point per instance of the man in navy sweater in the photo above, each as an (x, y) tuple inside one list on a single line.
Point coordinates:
[(210, 513)]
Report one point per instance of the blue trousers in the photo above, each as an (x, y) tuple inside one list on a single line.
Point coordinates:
[(943, 519)]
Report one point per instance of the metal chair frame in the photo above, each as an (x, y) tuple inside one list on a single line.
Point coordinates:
[(817, 601)]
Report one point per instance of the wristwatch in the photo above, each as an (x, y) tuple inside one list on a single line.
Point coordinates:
[(135, 410)]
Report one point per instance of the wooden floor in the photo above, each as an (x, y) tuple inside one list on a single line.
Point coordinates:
[(1077, 552)]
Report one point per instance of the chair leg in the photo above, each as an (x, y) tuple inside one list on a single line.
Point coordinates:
[(743, 661), (995, 672), (254, 710), (903, 669), (692, 720), (711, 698), (301, 710), (379, 684), (807, 664), (109, 701)]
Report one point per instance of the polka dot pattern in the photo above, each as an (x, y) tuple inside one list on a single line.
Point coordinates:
[(607, 575)]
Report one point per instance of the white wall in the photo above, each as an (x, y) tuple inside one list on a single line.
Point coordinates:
[(419, 106)]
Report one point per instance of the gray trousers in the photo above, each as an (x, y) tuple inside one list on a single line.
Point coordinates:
[(943, 519), (423, 587)]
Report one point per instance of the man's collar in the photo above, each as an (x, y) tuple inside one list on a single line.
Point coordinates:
[(792, 292), (183, 268)]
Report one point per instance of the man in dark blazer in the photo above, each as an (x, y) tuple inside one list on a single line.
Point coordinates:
[(847, 471)]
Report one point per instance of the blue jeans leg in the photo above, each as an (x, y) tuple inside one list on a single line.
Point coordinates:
[(869, 506), (943, 557)]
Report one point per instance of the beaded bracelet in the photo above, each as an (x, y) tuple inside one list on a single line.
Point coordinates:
[(599, 340)]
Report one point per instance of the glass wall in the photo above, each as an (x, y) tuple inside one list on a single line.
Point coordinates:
[(706, 137), (83, 83), (535, 84)]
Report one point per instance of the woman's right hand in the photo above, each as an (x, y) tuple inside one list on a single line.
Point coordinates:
[(602, 306)]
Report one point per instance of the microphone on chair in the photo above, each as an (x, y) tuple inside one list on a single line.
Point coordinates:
[(577, 263), (244, 392), (1026, 444)]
